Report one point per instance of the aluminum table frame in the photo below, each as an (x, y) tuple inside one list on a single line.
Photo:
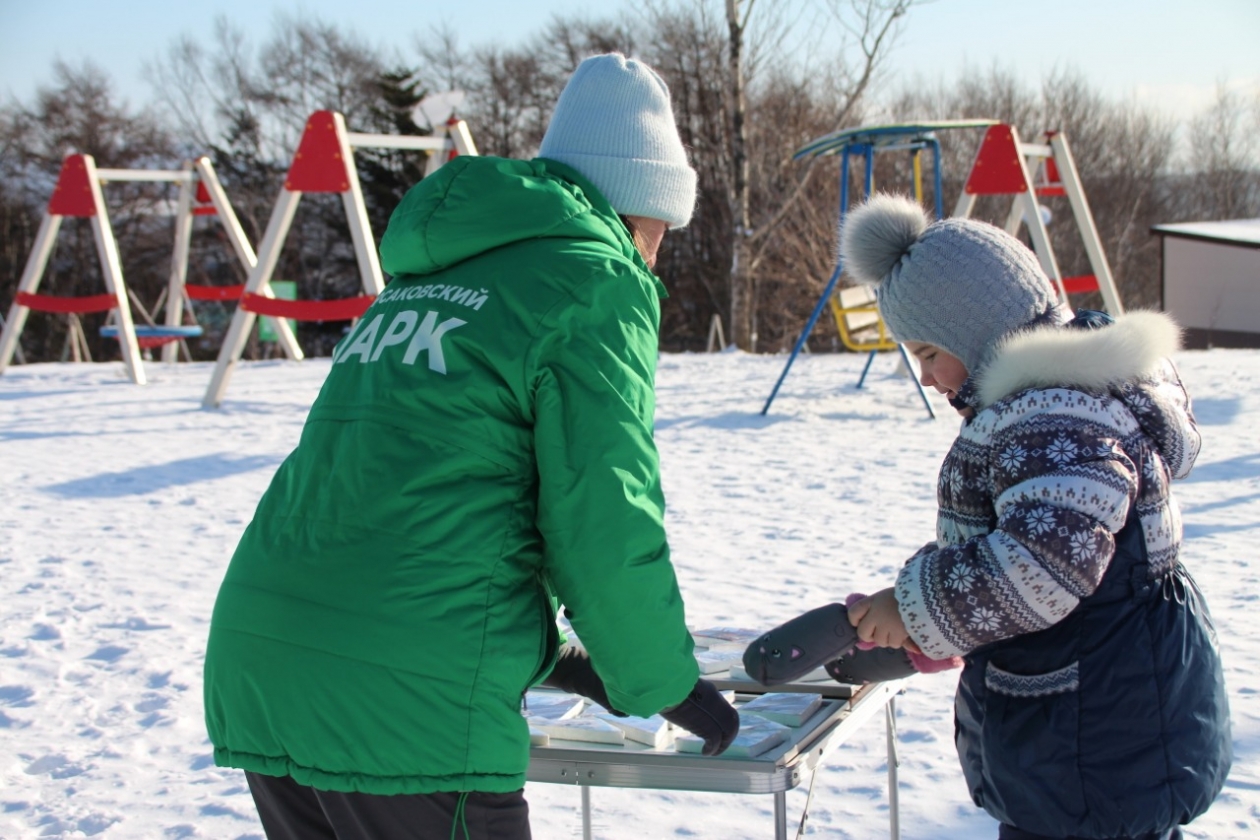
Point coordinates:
[(845, 709)]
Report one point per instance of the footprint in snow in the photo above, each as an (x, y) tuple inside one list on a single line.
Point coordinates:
[(223, 811), (136, 623), (44, 633), (17, 696), (108, 653), (56, 766)]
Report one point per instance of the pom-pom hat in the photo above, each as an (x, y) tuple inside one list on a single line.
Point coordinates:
[(959, 284), (614, 124)]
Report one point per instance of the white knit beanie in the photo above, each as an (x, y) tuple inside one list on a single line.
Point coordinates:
[(959, 284), (614, 124)]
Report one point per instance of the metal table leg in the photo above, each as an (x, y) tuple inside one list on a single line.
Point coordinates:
[(780, 816), (586, 812), (894, 811)]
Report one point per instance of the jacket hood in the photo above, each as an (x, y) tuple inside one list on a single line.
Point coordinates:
[(476, 204), (1127, 358), (1102, 359)]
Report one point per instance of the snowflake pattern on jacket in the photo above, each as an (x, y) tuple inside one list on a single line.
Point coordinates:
[(1073, 427)]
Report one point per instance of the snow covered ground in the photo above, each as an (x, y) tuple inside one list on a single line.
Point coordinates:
[(120, 506)]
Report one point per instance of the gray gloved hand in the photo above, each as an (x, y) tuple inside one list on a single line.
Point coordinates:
[(575, 674), (796, 647), (706, 713)]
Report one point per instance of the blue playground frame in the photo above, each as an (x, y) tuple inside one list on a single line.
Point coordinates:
[(866, 142)]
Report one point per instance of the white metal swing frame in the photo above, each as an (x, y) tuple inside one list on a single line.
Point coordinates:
[(324, 162), (79, 194)]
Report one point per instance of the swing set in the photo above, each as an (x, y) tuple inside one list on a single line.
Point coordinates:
[(323, 163), (1003, 166), (78, 194)]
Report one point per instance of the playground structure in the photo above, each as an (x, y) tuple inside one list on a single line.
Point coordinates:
[(208, 199), (78, 194), (323, 163), (1003, 166)]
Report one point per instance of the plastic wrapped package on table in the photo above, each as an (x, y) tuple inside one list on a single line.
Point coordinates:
[(756, 736), (790, 709), (724, 637), (654, 732)]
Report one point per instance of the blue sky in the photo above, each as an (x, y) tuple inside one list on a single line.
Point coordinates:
[(1172, 54)]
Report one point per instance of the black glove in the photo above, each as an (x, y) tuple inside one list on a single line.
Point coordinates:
[(795, 648), (706, 713), (574, 673), (874, 665)]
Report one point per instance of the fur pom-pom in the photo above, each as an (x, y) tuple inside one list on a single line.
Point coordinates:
[(878, 234)]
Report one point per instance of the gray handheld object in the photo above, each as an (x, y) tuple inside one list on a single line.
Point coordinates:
[(875, 665), (795, 648)]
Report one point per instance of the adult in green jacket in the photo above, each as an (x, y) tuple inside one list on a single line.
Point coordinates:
[(481, 451)]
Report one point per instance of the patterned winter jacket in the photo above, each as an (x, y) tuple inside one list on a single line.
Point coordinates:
[(1038, 483), (1091, 702)]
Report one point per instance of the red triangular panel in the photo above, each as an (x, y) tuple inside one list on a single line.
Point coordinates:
[(318, 166), (73, 194), (204, 205), (1052, 172), (998, 169)]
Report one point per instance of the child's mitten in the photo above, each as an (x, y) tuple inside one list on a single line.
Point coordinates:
[(877, 664), (868, 663), (795, 648), (874, 665)]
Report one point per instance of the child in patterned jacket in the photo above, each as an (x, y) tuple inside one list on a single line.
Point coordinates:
[(1091, 702)]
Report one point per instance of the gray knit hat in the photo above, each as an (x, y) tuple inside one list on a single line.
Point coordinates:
[(613, 123), (959, 284)]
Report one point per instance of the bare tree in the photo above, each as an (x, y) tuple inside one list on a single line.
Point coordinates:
[(749, 185), (246, 106), (1123, 152), (512, 91), (869, 27), (1224, 158), (741, 318)]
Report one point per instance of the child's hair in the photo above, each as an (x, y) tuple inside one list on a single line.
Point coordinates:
[(959, 284)]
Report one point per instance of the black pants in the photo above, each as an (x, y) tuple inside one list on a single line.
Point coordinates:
[(1010, 832), (290, 811)]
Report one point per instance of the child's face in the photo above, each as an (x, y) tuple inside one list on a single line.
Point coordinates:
[(938, 368)]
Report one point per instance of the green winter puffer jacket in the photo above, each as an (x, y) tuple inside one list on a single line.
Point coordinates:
[(481, 448)]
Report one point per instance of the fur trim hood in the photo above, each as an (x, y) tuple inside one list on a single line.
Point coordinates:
[(1091, 359)]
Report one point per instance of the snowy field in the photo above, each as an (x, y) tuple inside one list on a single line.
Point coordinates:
[(120, 506)]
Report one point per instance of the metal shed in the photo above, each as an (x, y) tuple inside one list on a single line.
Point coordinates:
[(1210, 281)]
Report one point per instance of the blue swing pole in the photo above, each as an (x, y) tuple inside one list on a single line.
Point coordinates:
[(868, 182), (936, 177), (868, 185), (866, 368), (831, 283), (905, 359)]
